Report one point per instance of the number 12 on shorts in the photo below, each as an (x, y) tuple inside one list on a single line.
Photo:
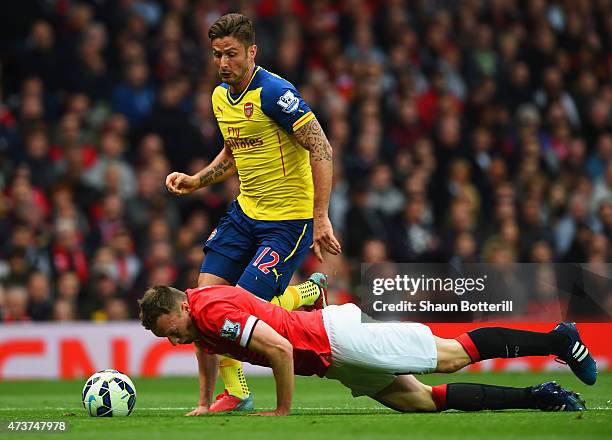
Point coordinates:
[(264, 267)]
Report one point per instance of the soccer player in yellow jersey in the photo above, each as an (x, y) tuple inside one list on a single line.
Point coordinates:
[(284, 163)]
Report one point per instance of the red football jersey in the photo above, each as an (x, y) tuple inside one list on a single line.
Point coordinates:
[(226, 317)]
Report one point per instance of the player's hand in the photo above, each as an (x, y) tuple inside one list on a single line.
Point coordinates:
[(181, 184), (323, 238), (202, 409)]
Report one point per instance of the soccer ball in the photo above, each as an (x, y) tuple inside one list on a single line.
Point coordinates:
[(109, 393)]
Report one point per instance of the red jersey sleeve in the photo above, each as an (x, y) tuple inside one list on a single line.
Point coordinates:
[(233, 324), (222, 318)]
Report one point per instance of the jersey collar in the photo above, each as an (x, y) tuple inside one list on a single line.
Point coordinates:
[(246, 89)]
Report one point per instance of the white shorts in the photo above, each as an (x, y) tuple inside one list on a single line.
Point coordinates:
[(367, 357)]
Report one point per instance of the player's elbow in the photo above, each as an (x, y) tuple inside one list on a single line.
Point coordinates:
[(281, 349), (285, 348)]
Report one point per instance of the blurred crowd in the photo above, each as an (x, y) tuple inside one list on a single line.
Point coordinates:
[(463, 131)]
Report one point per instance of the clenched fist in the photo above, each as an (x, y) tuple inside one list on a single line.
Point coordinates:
[(181, 184)]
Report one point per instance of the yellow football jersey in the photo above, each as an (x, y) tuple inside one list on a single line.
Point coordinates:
[(274, 170)]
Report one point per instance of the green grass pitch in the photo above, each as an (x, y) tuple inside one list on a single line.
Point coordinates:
[(322, 409)]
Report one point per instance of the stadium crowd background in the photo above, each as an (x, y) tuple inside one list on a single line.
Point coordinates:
[(462, 131)]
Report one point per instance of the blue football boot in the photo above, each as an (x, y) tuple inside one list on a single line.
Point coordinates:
[(550, 396), (577, 356)]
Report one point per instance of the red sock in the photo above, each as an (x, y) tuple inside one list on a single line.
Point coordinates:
[(438, 394), (468, 345)]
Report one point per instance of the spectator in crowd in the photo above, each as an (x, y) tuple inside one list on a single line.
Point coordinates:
[(40, 301), (112, 147), (64, 310), (68, 289), (16, 304), (462, 132), (135, 97), (2, 301)]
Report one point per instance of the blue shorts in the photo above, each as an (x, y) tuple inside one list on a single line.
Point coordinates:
[(257, 255)]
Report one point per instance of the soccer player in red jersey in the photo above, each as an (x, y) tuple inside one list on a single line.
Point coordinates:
[(373, 359)]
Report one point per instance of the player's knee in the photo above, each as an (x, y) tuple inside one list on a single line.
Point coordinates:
[(406, 395), (451, 356), (450, 365)]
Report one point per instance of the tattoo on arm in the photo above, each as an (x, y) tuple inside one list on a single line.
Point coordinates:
[(311, 137), (217, 172)]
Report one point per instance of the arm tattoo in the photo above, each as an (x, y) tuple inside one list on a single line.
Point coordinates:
[(217, 172), (213, 174), (312, 138)]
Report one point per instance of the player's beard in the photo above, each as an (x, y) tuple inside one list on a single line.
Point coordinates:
[(194, 335), (238, 77)]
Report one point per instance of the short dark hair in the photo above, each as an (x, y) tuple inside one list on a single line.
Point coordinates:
[(158, 301), (233, 25)]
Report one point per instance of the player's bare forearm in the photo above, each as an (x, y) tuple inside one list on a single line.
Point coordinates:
[(279, 353), (281, 361), (312, 138), (322, 181), (222, 167), (208, 365)]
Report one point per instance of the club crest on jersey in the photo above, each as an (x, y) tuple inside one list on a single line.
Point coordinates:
[(230, 330), (248, 109), (288, 102)]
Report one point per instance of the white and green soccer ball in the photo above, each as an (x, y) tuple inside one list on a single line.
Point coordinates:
[(109, 393)]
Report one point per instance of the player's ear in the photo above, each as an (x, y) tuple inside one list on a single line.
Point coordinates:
[(185, 306), (252, 51)]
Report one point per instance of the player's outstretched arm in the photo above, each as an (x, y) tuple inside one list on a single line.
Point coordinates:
[(222, 167), (279, 353), (208, 365), (311, 137)]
